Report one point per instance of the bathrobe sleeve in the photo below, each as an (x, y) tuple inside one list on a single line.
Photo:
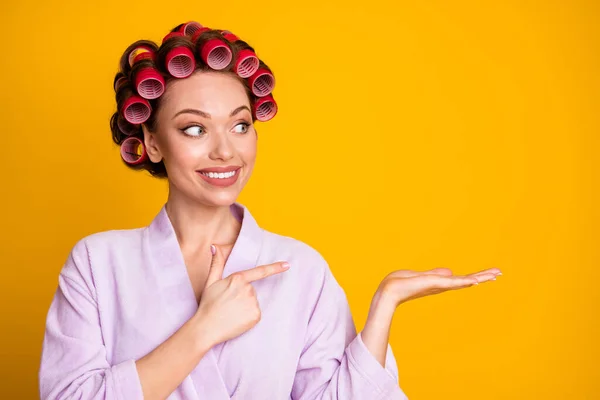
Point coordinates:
[(335, 363), (74, 363)]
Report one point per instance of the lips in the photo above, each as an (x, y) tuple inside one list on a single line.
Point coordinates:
[(220, 169), (220, 182)]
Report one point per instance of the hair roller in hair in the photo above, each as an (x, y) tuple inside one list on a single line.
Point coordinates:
[(190, 28), (216, 54), (180, 61), (246, 64), (199, 32), (125, 127), (149, 83), (265, 108), (133, 151), (136, 110), (138, 51), (262, 82), (229, 36)]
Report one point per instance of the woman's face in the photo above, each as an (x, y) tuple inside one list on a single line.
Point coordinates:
[(204, 123)]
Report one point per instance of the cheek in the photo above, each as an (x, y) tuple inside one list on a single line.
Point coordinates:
[(184, 152), (247, 151)]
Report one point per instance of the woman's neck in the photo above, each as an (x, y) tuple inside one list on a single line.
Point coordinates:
[(197, 225)]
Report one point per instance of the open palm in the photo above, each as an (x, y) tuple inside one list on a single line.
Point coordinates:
[(405, 285)]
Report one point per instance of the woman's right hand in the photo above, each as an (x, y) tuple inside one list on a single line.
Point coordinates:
[(229, 307)]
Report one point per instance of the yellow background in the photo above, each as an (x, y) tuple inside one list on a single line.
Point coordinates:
[(411, 134)]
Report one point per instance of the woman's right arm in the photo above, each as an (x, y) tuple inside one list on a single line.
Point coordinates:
[(74, 362)]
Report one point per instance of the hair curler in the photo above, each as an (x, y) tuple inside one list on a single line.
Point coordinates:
[(216, 54), (136, 110), (125, 127), (199, 32), (229, 36), (180, 61), (265, 108), (149, 83), (138, 51), (262, 82), (190, 28), (246, 64), (133, 151)]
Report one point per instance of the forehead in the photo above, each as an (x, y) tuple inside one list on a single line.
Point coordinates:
[(212, 92)]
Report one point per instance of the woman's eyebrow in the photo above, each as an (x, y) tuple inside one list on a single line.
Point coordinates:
[(207, 115)]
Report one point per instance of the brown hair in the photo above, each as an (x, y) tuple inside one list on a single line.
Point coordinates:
[(124, 86)]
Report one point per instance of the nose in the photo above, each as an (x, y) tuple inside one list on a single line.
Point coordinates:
[(222, 148)]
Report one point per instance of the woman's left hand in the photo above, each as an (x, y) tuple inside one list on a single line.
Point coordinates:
[(404, 285)]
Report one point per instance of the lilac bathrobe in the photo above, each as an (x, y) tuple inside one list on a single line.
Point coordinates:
[(121, 293)]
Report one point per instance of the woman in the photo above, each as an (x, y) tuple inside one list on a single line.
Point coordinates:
[(203, 303)]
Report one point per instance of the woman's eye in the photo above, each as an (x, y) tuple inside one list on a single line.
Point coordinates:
[(242, 127), (194, 130)]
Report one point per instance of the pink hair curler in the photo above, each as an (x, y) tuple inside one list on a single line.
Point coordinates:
[(246, 64), (149, 83), (133, 151), (126, 127), (265, 108), (136, 110), (190, 28), (262, 82), (180, 61), (136, 52), (216, 54)]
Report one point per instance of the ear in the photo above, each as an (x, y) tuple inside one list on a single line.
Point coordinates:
[(151, 145)]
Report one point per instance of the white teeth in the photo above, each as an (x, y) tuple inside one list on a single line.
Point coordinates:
[(221, 175)]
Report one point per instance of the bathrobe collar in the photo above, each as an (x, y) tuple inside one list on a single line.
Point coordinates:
[(244, 254)]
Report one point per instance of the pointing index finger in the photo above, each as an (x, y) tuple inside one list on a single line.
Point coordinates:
[(264, 271)]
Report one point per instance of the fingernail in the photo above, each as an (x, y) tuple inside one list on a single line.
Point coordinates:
[(285, 265), (475, 283), (493, 279), (499, 273), (213, 249)]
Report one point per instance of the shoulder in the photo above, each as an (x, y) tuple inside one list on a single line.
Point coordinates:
[(282, 245), (99, 248), (303, 257), (110, 240)]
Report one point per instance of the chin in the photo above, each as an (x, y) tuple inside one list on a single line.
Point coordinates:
[(221, 199)]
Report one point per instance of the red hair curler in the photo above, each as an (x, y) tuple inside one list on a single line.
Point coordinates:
[(199, 32), (265, 108), (229, 36), (126, 127), (138, 51), (246, 64), (133, 151), (136, 110), (180, 61), (262, 82), (216, 54), (190, 28), (149, 83), (172, 34)]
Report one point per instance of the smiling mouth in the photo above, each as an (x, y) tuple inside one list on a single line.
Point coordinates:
[(219, 175), (220, 179)]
